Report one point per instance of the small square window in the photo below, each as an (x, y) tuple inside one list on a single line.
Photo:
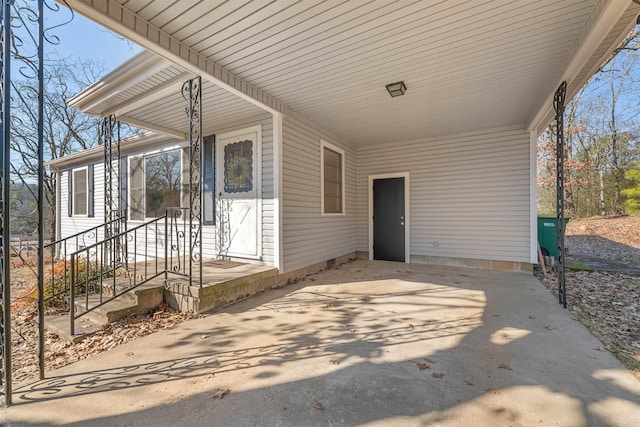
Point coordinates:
[(332, 176)]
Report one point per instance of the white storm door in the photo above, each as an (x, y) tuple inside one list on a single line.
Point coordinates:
[(238, 166)]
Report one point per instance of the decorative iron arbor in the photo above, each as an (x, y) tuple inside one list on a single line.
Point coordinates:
[(22, 39), (558, 105), (192, 93)]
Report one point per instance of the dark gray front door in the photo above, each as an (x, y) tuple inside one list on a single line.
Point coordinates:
[(388, 219)]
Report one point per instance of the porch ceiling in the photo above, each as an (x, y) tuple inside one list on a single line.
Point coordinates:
[(467, 65)]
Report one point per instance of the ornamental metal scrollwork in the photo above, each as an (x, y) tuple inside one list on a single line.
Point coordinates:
[(558, 105), (192, 93)]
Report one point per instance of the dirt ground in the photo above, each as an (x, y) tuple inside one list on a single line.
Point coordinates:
[(616, 238), (606, 302)]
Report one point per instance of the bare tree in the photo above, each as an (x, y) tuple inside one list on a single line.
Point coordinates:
[(66, 130)]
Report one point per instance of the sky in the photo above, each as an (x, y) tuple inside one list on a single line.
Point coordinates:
[(81, 38)]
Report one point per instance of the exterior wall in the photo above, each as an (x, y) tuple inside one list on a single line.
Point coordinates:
[(209, 232), (469, 195), (308, 236), (76, 224), (70, 225)]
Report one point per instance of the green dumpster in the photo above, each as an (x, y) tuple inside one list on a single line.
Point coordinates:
[(548, 235)]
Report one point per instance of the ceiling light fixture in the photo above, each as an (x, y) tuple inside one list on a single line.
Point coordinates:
[(396, 89)]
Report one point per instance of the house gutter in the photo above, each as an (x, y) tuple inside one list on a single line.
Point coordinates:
[(128, 145)]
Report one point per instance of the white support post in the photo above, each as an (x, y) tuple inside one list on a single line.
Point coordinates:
[(278, 251), (533, 197)]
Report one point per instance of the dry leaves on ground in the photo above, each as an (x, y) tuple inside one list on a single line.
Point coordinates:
[(606, 303), (221, 393), (609, 305), (616, 238), (61, 352)]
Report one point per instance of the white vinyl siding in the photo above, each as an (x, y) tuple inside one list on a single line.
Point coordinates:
[(469, 195), (73, 224), (310, 237)]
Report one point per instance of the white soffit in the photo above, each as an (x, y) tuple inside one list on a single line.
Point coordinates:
[(467, 65)]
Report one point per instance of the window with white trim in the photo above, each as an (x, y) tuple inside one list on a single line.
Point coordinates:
[(332, 178), (80, 191), (154, 184)]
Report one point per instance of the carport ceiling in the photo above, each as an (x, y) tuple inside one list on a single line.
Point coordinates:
[(467, 65)]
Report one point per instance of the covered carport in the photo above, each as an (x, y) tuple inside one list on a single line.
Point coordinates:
[(368, 343), (469, 67)]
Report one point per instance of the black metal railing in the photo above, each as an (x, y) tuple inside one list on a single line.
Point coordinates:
[(56, 256), (113, 266)]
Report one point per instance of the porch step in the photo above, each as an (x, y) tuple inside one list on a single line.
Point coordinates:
[(137, 301), (61, 326)]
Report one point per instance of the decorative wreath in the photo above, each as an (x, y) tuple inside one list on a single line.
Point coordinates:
[(238, 170)]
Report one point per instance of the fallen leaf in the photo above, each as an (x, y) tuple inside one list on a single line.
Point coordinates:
[(204, 336), (221, 393), (334, 362), (550, 327), (410, 325), (426, 359), (129, 353), (506, 367), (317, 404), (496, 315), (600, 348), (437, 375), (532, 317), (492, 390), (307, 347), (391, 311), (467, 382), (422, 366), (353, 330), (328, 305)]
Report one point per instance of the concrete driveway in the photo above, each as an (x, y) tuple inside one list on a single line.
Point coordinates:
[(370, 343)]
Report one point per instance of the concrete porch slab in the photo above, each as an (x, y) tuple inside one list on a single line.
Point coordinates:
[(369, 343), (221, 284)]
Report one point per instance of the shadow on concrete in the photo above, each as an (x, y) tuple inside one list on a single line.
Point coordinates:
[(372, 343)]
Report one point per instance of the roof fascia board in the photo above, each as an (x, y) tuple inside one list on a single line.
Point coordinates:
[(611, 12), (161, 91), (128, 145), (128, 74), (128, 24)]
